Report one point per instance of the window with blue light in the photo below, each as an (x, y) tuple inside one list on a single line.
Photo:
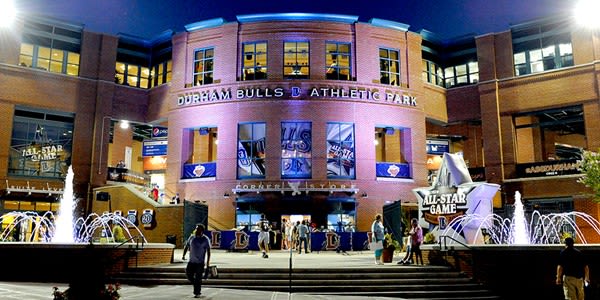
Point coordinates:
[(541, 48), (254, 64), (296, 149), (340, 151), (461, 74), (251, 150), (389, 66), (337, 60), (203, 66), (432, 73)]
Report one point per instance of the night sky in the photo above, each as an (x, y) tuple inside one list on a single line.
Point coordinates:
[(148, 18)]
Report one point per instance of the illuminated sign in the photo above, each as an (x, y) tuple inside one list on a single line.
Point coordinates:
[(38, 152), (387, 96)]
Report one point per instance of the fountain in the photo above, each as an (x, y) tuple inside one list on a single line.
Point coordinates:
[(540, 229), (64, 228)]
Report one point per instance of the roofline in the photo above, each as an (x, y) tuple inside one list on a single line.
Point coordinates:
[(347, 19)]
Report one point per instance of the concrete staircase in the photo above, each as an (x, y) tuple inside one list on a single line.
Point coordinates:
[(409, 282)]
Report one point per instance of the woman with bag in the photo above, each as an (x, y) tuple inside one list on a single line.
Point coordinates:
[(377, 238)]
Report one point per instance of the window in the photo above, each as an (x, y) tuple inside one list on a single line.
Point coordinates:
[(432, 73), (461, 74), (296, 149), (389, 66), (132, 75), (203, 66), (340, 151), (337, 60), (161, 73), (255, 61), (53, 60), (390, 149), (296, 63), (41, 143), (541, 48), (51, 47), (555, 134), (201, 162), (251, 150)]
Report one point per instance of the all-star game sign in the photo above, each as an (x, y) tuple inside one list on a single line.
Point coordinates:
[(453, 194)]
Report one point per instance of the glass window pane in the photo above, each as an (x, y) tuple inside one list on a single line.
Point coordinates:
[(519, 58), (73, 58), (44, 52), (27, 49), (473, 67), (73, 70), (56, 67), (57, 55)]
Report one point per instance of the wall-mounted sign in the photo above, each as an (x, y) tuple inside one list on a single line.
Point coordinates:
[(437, 147), (147, 217), (201, 170), (132, 216), (318, 92), (154, 148), (160, 132), (549, 168)]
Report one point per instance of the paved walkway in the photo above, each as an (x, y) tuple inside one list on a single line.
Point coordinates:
[(277, 259)]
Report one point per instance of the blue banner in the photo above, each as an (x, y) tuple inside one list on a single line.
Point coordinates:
[(393, 170), (154, 148), (437, 147), (200, 170)]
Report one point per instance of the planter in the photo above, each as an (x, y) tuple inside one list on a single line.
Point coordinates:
[(388, 254)]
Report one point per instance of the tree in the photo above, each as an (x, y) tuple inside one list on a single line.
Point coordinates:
[(590, 169)]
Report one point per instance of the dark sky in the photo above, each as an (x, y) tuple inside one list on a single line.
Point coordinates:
[(147, 18)]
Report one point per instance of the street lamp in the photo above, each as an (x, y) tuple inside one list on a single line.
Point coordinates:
[(8, 12), (586, 13)]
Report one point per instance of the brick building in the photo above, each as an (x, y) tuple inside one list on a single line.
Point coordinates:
[(297, 116)]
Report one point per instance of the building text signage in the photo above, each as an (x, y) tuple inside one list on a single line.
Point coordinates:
[(386, 96)]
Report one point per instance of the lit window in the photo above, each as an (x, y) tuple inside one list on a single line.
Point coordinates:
[(203, 66), (296, 63), (254, 65), (389, 66), (337, 60), (251, 150), (340, 151)]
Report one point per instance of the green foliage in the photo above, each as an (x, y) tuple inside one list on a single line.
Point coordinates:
[(390, 242), (590, 169), (429, 238)]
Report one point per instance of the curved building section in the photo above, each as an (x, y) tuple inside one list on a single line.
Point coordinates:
[(308, 116)]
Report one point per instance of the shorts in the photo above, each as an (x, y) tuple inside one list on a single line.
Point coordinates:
[(263, 237)]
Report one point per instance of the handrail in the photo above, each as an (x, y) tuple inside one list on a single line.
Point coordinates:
[(445, 246), (137, 244)]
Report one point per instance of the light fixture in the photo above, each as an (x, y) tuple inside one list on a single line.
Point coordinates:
[(8, 12), (226, 195), (124, 124), (364, 195)]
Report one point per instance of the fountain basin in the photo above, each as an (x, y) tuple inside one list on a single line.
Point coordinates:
[(66, 262), (514, 271)]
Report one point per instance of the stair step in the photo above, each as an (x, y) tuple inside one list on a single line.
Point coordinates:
[(409, 282)]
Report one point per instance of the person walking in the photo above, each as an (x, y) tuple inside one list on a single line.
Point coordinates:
[(199, 245), (263, 235), (378, 233), (572, 271)]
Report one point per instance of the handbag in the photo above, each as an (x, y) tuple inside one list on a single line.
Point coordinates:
[(376, 245), (212, 272)]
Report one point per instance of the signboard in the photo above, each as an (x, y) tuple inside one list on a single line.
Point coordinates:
[(160, 132), (437, 147), (154, 148), (392, 170), (549, 168), (202, 170)]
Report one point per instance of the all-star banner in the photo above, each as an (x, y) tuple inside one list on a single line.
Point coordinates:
[(454, 194)]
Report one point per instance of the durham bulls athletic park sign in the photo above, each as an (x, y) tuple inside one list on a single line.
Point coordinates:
[(254, 93)]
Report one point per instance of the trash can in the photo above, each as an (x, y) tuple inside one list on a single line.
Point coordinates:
[(172, 239)]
